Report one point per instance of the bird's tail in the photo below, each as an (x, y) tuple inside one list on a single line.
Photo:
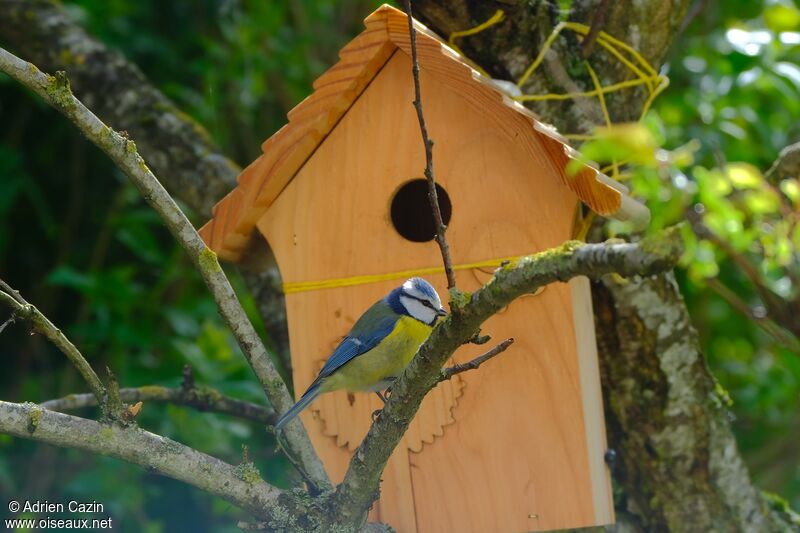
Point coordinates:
[(310, 395)]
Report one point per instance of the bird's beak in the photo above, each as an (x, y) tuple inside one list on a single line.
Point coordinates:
[(441, 312)]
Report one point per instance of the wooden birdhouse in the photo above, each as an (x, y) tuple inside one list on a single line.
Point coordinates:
[(517, 445)]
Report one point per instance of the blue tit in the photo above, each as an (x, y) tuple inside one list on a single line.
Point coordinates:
[(380, 345)]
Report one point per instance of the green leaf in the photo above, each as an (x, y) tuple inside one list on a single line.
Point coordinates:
[(744, 175), (761, 201), (67, 276), (631, 142), (791, 188), (782, 17)]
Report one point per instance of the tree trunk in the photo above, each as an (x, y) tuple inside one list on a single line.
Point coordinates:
[(668, 421)]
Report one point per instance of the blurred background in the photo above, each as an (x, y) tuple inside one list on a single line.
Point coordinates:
[(78, 241)]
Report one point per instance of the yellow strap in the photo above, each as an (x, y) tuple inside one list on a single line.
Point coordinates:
[(604, 109), (302, 286), (497, 17), (645, 73)]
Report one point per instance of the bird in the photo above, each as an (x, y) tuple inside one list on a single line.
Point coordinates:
[(379, 346)]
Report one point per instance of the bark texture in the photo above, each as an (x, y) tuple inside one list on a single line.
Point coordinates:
[(241, 486), (668, 420), (508, 48)]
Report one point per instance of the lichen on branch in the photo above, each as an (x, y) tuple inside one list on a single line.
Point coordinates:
[(145, 449)]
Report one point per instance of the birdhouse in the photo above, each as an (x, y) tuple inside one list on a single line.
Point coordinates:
[(338, 193)]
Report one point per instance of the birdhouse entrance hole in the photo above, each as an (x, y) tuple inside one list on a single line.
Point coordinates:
[(411, 211)]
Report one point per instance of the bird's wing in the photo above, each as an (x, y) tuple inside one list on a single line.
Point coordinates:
[(368, 331)]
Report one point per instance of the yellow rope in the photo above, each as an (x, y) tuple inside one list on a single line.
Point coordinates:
[(604, 109), (569, 96), (539, 58), (497, 17), (302, 286), (659, 88)]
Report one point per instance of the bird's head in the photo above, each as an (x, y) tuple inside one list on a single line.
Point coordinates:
[(418, 299)]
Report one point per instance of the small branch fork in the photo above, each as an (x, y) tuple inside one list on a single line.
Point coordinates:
[(433, 196), (41, 324), (449, 372), (204, 399)]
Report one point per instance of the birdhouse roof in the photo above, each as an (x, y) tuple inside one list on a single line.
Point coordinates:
[(233, 224)]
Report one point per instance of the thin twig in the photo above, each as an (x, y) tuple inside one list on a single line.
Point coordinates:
[(479, 339), (188, 382), (10, 320), (598, 20), (12, 292), (770, 327), (42, 325), (204, 399), (449, 372), (55, 90), (433, 196), (774, 304), (694, 10)]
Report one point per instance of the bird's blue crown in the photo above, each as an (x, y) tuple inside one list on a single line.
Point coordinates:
[(418, 284)]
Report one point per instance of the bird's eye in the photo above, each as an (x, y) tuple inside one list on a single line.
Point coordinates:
[(427, 304)]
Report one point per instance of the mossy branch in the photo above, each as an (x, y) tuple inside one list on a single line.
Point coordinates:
[(358, 491), (148, 450), (205, 399), (41, 324), (56, 92)]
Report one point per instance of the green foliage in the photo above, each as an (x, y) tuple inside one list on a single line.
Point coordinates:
[(733, 104)]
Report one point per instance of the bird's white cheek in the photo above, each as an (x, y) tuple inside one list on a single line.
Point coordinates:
[(417, 310)]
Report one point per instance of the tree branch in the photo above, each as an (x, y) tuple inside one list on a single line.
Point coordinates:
[(784, 312), (449, 372), (760, 319), (787, 165), (21, 308), (355, 494), (55, 91), (204, 399), (598, 20), (176, 146), (242, 486), (433, 196)]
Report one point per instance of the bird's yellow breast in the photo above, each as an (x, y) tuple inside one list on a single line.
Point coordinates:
[(370, 370)]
